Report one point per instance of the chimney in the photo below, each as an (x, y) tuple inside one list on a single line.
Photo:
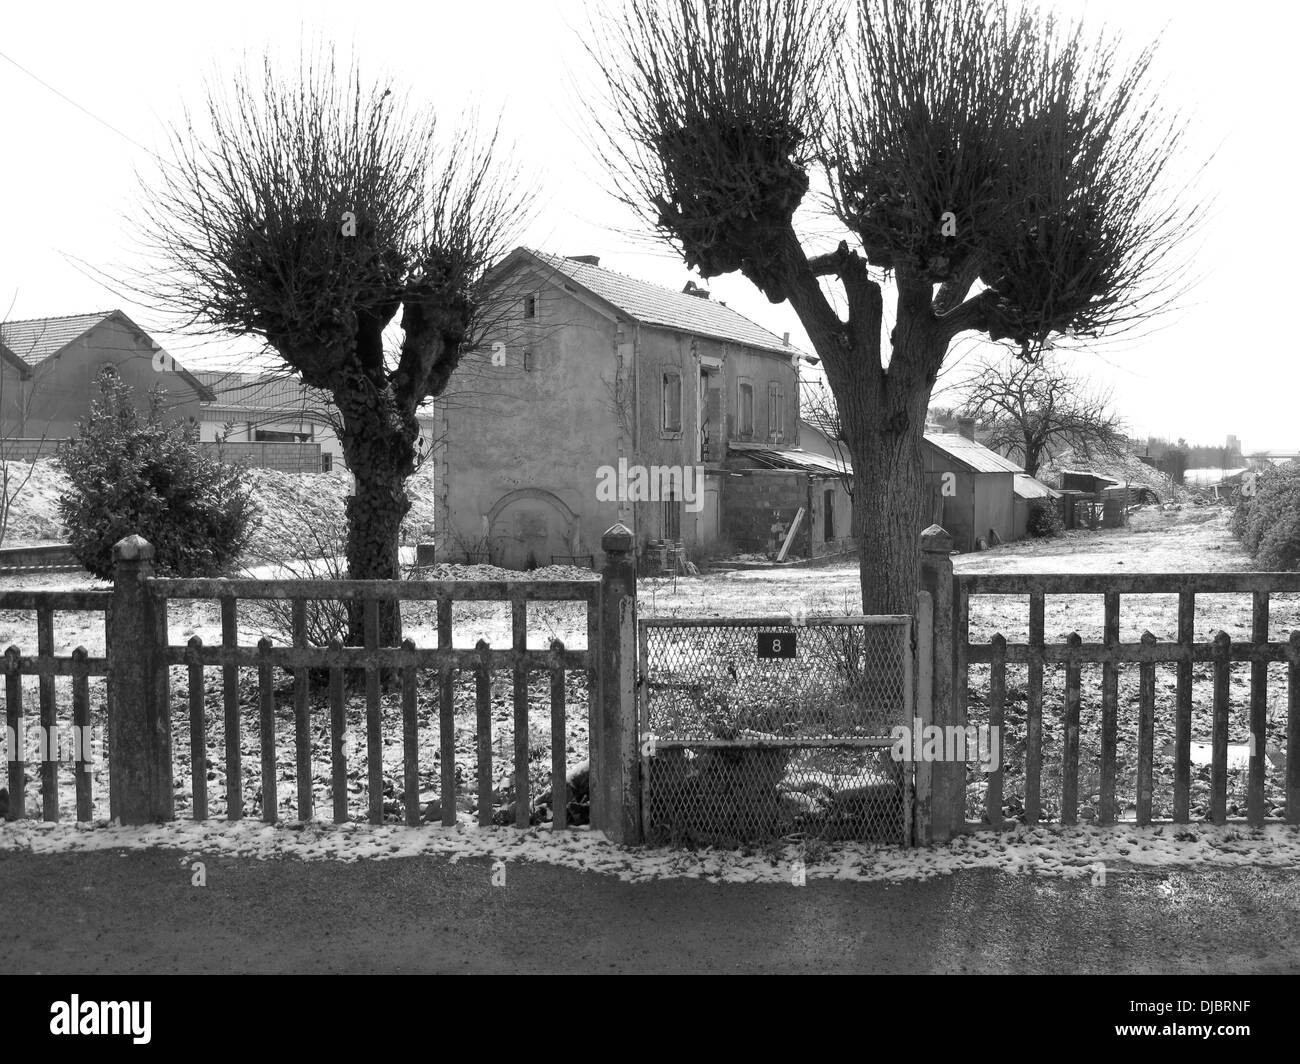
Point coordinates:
[(692, 289), (785, 339), (966, 426), (590, 260)]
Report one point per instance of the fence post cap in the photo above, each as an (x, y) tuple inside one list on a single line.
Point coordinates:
[(132, 548), (617, 539), (936, 538)]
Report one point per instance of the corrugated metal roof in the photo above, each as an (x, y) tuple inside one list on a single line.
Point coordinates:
[(1027, 487), (791, 458), (255, 391), (975, 456), (652, 305), (36, 339)]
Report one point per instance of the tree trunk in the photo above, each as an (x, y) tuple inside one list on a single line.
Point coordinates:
[(890, 504), (378, 441)]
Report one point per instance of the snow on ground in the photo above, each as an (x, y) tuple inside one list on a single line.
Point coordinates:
[(1069, 853)]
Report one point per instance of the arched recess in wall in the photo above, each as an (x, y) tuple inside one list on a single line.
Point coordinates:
[(529, 525)]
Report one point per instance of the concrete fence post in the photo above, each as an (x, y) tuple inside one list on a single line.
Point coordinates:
[(940, 785), (139, 726), (615, 757)]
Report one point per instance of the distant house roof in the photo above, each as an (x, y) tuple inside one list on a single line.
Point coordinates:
[(790, 458), (653, 305), (269, 395), (1027, 487), (974, 456), (33, 340)]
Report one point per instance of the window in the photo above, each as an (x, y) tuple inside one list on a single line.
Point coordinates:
[(745, 414), (672, 421), (326, 462), (530, 306), (775, 413), (271, 436), (828, 515)]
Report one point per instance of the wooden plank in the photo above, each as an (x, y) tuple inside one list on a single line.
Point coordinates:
[(1126, 583), (410, 745), (1070, 751), (351, 658), (789, 536), (1034, 718), (1183, 710), (1121, 653), (59, 601), (16, 722), (559, 746), (374, 718), (583, 589), (997, 718), (1258, 714), (82, 769), (483, 734), (198, 738), (446, 720), (338, 734), (49, 721), (1106, 811), (1293, 731), (519, 634), (1219, 738), (302, 716), (1146, 733), (266, 720), (230, 699)]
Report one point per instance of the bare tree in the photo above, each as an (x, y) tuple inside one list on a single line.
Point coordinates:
[(1032, 409), (310, 212), (962, 143), (818, 409)]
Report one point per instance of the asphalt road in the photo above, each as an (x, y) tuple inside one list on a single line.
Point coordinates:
[(120, 912)]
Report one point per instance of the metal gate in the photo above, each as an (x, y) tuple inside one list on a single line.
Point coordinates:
[(756, 729)]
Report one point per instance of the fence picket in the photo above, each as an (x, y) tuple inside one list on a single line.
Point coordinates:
[(266, 720), (446, 720), (230, 696), (17, 724), (1258, 712), (1183, 710), (338, 730), (374, 719), (559, 742), (997, 714), (1034, 720), (1146, 731), (198, 737), (1293, 729), (483, 733), (301, 715), (49, 719), (410, 743), (81, 722), (1070, 750), (1219, 738), (1106, 811), (519, 638)]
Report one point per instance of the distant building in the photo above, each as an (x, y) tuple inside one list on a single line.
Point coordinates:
[(50, 370)]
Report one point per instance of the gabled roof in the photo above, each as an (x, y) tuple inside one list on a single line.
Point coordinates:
[(653, 305), (33, 340), (974, 456), (270, 394)]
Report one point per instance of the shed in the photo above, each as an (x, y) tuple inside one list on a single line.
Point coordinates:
[(972, 489), (1030, 492)]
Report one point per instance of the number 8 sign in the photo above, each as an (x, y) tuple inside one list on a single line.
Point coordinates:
[(776, 644)]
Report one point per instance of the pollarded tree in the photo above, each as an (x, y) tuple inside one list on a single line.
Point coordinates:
[(312, 211), (1002, 174), (1032, 409)]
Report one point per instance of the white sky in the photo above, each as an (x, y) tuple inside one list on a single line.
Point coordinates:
[(67, 182)]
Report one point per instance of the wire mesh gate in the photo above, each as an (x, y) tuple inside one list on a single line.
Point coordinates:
[(755, 729)]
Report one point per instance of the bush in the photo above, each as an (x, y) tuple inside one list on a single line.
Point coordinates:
[(1267, 520), (134, 473), (1044, 521)]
